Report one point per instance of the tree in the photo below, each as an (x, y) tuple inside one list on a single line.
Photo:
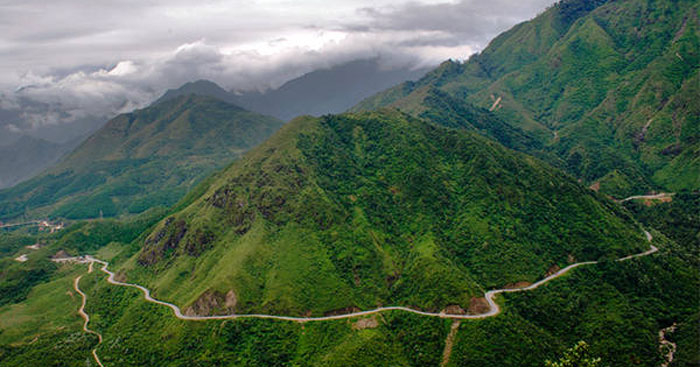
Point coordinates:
[(578, 356)]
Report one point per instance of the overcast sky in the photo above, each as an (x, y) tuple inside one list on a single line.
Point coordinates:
[(105, 57)]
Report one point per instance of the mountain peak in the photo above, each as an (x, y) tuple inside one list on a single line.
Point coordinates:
[(201, 87)]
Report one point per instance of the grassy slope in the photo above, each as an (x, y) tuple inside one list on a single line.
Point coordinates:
[(617, 307), (147, 158), (595, 77), (371, 209)]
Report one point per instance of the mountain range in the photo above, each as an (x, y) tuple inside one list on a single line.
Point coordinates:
[(150, 157), (360, 210), (322, 91), (492, 173), (319, 92), (608, 87)]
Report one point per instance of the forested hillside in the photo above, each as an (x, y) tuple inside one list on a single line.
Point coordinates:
[(139, 160), (609, 87), (377, 208)]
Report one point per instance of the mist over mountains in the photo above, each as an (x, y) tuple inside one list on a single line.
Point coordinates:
[(536, 204), (319, 92)]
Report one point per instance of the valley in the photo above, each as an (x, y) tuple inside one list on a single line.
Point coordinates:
[(311, 190), (494, 309)]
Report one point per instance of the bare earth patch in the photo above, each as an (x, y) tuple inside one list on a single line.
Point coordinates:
[(21, 258), (552, 270), (478, 305), (454, 310), (368, 323), (516, 285)]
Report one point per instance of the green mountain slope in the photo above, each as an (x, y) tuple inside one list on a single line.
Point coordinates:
[(373, 209), (147, 158), (609, 87)]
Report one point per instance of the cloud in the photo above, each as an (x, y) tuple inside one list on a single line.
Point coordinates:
[(466, 22), (13, 128), (69, 60)]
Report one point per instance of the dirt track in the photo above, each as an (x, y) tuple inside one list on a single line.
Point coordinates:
[(86, 317)]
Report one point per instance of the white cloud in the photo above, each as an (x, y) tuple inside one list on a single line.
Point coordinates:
[(67, 59), (13, 128)]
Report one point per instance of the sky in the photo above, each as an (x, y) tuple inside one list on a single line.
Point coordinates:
[(66, 60)]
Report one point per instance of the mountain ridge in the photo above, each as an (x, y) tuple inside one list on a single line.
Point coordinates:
[(324, 202), (137, 160), (319, 92), (582, 78)]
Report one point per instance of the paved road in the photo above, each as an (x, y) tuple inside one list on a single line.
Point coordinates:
[(490, 295), (494, 308)]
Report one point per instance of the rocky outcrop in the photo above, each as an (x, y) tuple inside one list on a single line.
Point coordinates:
[(198, 241), (159, 244), (213, 303)]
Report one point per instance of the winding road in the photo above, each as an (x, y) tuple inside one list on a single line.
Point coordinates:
[(494, 309), (86, 317), (490, 295), (667, 347)]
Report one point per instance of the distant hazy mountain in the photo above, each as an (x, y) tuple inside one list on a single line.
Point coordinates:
[(326, 91), (317, 93), (150, 157), (203, 88), (28, 156), (63, 132)]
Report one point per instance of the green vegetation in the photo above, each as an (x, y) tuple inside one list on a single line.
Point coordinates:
[(420, 208), (374, 209), (140, 160), (18, 278), (687, 339), (617, 308), (678, 219), (610, 88), (577, 356), (48, 307)]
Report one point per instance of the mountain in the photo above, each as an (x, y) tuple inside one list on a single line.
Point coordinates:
[(150, 157), (201, 87), (359, 210), (325, 91), (319, 92), (609, 87), (421, 207), (28, 156)]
